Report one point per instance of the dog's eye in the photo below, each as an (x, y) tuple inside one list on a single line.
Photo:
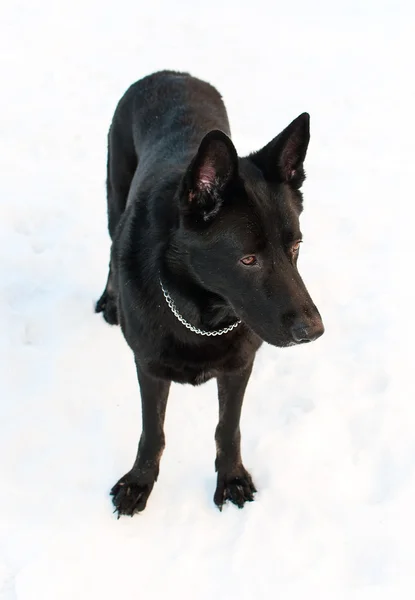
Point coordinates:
[(296, 246), (249, 260)]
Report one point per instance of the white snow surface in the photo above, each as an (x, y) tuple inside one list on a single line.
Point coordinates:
[(328, 429)]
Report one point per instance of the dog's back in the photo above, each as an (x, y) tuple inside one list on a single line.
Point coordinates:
[(163, 117), (157, 126)]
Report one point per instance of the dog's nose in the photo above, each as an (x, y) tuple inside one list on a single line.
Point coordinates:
[(307, 332)]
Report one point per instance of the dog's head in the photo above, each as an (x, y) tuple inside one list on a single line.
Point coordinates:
[(240, 226)]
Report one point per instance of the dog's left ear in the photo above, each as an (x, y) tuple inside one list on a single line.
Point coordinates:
[(282, 159), (211, 171)]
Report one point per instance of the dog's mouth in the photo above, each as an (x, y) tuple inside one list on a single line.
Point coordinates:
[(285, 337), (280, 339)]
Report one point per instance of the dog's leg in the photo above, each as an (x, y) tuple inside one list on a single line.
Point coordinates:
[(234, 482), (121, 165), (131, 493), (107, 304)]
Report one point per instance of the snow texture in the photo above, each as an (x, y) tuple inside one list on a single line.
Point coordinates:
[(328, 428)]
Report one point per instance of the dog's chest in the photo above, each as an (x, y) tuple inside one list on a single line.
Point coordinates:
[(196, 364)]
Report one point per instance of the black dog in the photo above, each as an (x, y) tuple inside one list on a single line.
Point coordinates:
[(203, 263)]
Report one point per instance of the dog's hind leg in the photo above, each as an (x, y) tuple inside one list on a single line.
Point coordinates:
[(131, 492), (234, 483), (107, 304), (121, 165)]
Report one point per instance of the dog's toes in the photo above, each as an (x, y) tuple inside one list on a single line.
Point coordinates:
[(100, 305), (129, 496), (106, 304), (237, 489)]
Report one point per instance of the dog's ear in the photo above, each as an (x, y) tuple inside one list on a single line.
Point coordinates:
[(211, 171), (282, 159)]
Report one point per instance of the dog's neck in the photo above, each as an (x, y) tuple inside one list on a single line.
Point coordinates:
[(203, 332), (196, 304)]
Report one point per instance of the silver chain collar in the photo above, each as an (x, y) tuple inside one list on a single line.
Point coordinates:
[(183, 321)]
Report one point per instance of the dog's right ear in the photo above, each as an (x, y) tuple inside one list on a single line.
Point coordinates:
[(209, 174)]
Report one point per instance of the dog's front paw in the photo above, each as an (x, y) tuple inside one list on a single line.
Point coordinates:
[(129, 495), (238, 488)]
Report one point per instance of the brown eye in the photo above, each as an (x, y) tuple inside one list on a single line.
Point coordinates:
[(249, 260), (296, 246)]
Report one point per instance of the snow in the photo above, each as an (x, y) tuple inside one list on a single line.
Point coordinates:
[(328, 429)]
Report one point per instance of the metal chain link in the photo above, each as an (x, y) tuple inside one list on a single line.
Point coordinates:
[(174, 310)]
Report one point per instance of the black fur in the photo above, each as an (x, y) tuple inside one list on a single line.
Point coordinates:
[(183, 209)]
